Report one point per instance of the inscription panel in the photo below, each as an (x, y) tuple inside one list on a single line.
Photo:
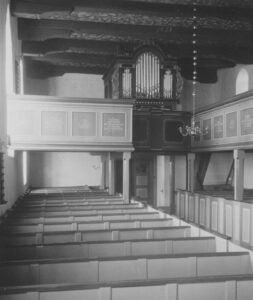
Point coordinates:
[(84, 124), (56, 123), (218, 127), (22, 122), (113, 124), (247, 121), (231, 124), (53, 123), (207, 127)]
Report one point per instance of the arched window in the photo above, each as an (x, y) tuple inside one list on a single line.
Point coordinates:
[(242, 82), (148, 76)]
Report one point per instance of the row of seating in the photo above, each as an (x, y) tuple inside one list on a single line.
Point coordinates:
[(66, 246)]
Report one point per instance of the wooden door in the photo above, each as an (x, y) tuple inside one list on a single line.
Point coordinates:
[(142, 179)]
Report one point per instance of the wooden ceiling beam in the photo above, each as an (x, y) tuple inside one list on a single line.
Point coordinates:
[(43, 69), (245, 4), (172, 15), (42, 30), (76, 59), (32, 48)]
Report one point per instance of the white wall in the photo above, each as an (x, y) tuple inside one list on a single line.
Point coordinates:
[(14, 180), (248, 171), (220, 91), (52, 169), (67, 85), (13, 165), (36, 86), (77, 85), (218, 168)]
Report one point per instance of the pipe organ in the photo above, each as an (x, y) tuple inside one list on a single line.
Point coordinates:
[(148, 78), (155, 84)]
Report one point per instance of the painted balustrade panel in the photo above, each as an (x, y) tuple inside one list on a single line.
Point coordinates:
[(226, 125), (45, 122), (228, 217)]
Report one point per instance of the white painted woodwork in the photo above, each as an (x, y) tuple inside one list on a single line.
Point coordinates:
[(70, 124), (111, 175), (228, 217), (190, 172), (230, 125), (165, 180), (239, 156), (124, 269), (126, 176)]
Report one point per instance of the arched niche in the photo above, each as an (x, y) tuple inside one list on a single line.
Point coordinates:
[(242, 81)]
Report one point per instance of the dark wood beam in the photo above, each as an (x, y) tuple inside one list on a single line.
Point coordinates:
[(32, 48), (239, 54), (43, 69), (76, 59), (245, 4), (165, 15), (42, 30)]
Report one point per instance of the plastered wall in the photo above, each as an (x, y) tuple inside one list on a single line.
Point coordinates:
[(67, 85), (14, 184), (55, 169), (220, 91)]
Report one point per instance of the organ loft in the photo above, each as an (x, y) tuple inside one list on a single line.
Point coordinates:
[(126, 137)]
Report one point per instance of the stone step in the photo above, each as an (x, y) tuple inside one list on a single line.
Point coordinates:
[(110, 248), (88, 225), (93, 271), (93, 235)]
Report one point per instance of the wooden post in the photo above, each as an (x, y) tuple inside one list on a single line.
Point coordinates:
[(126, 183), (165, 180), (111, 171), (190, 172), (239, 156), (104, 171)]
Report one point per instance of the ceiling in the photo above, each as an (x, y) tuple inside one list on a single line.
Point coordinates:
[(86, 36)]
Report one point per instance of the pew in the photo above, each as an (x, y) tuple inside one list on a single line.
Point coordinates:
[(106, 270), (102, 249), (88, 225), (40, 238)]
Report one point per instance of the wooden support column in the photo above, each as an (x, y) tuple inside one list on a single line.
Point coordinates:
[(239, 156), (126, 176), (190, 172), (103, 182), (111, 171), (165, 174)]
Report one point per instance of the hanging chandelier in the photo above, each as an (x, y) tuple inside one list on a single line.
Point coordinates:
[(193, 129)]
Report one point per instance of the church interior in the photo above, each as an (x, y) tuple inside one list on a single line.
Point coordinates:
[(126, 149)]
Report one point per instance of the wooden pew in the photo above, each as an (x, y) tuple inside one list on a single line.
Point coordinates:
[(42, 208), (82, 225), (110, 248), (95, 271), (41, 238), (82, 218), (209, 287), (76, 212)]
